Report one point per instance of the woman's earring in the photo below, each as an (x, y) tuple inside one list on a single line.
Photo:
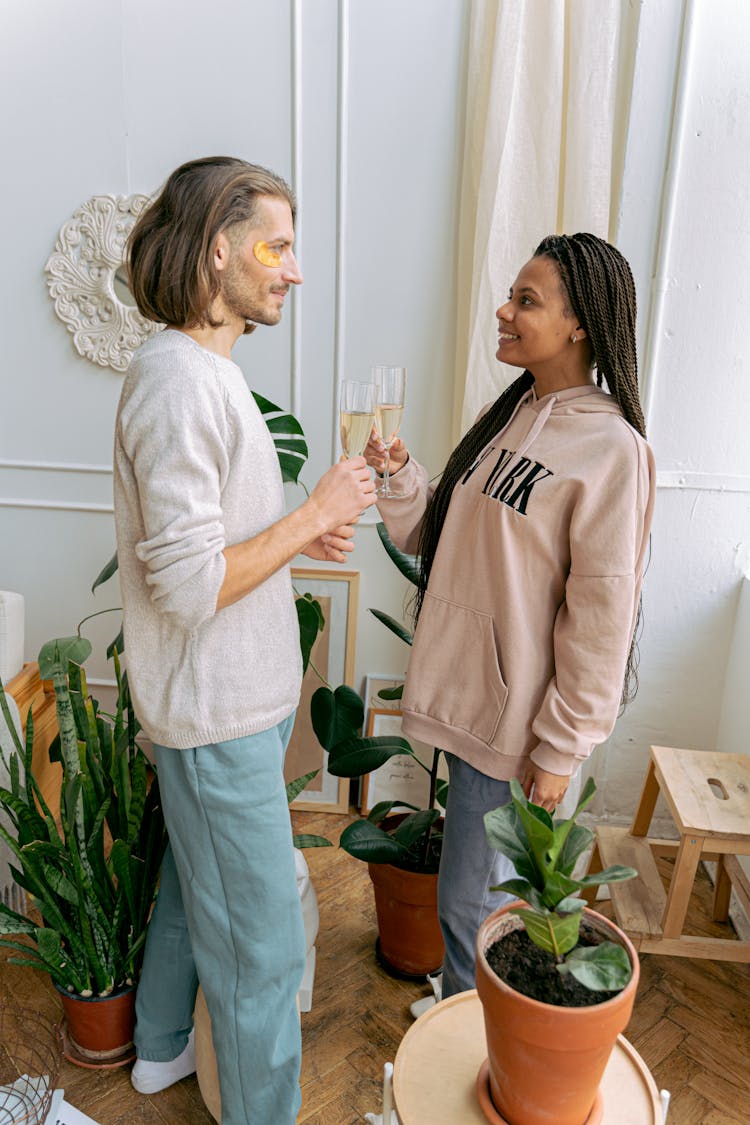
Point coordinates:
[(574, 338)]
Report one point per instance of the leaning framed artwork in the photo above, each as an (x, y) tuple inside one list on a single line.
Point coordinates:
[(331, 660), (401, 778)]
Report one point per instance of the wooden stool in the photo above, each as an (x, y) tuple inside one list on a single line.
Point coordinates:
[(437, 1062), (709, 798)]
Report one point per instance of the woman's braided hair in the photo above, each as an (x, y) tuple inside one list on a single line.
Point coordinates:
[(598, 286)]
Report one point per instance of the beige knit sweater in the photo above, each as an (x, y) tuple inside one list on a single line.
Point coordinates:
[(524, 634), (195, 470)]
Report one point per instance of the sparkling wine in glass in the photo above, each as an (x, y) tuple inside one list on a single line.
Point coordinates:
[(390, 384), (356, 415)]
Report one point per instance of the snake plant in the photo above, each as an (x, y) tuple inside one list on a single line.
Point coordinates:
[(92, 874)]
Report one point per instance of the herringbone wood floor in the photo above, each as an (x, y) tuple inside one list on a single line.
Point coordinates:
[(691, 1022)]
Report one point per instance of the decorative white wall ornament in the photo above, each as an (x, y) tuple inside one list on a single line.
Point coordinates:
[(86, 283)]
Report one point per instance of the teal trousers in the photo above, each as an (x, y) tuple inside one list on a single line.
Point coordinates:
[(229, 915)]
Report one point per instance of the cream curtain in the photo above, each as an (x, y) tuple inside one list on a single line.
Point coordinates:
[(544, 132)]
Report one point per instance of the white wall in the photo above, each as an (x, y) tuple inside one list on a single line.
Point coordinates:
[(359, 104), (697, 382), (734, 720)]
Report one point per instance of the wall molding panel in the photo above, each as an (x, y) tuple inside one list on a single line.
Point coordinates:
[(342, 193), (702, 482), (297, 124), (56, 486), (57, 467), (56, 505)]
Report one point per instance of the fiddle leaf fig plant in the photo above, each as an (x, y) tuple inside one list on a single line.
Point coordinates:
[(544, 854)]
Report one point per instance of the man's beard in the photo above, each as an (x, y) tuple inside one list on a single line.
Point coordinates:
[(246, 304)]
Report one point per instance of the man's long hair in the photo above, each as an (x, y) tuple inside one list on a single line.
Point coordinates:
[(170, 248), (598, 286)]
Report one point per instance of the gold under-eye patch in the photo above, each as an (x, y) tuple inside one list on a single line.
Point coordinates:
[(265, 255)]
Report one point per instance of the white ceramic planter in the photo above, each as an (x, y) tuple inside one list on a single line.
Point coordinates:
[(311, 919)]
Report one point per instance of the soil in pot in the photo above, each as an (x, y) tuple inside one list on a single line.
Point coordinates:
[(532, 971)]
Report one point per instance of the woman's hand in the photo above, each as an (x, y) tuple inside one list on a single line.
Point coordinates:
[(545, 789), (374, 455)]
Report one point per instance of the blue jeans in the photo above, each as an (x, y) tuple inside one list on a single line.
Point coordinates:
[(229, 913), (468, 868)]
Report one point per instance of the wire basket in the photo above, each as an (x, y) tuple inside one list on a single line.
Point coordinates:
[(30, 1055)]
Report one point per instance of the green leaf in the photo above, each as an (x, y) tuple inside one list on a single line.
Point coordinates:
[(394, 626), (54, 655), (121, 860), (11, 922), (407, 564), (441, 792), (9, 721), (550, 932), (60, 884), (288, 437), (358, 756), (391, 692), (576, 842), (537, 825), (413, 827), (570, 905), (379, 812), (294, 788), (106, 573), (367, 842), (305, 840), (49, 944), (117, 645), (557, 888), (602, 968), (522, 889), (505, 834), (615, 874), (586, 795), (336, 715), (311, 621)]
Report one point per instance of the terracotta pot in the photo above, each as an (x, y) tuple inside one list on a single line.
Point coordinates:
[(100, 1027), (406, 904), (545, 1061)]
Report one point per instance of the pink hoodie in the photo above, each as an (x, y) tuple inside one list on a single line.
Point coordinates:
[(526, 626)]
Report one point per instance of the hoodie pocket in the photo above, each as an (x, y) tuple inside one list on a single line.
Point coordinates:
[(454, 674)]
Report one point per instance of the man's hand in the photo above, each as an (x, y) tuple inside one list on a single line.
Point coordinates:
[(545, 789), (333, 546), (343, 494), (375, 455)]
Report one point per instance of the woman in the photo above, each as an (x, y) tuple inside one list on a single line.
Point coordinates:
[(532, 549)]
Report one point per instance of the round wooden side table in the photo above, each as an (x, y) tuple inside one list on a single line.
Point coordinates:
[(436, 1066)]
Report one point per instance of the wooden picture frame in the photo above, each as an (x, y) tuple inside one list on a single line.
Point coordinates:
[(400, 777), (333, 656), (375, 682)]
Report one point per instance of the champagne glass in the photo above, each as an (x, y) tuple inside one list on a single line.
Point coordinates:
[(357, 416), (390, 384)]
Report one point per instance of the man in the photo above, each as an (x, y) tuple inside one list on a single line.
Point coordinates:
[(211, 631)]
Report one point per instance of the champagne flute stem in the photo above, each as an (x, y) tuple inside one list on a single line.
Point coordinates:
[(386, 471)]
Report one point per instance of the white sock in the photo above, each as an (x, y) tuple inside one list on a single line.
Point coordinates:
[(151, 1077), (419, 1007)]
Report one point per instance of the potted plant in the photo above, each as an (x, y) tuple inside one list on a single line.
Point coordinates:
[(556, 980), (402, 850), (93, 874)]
